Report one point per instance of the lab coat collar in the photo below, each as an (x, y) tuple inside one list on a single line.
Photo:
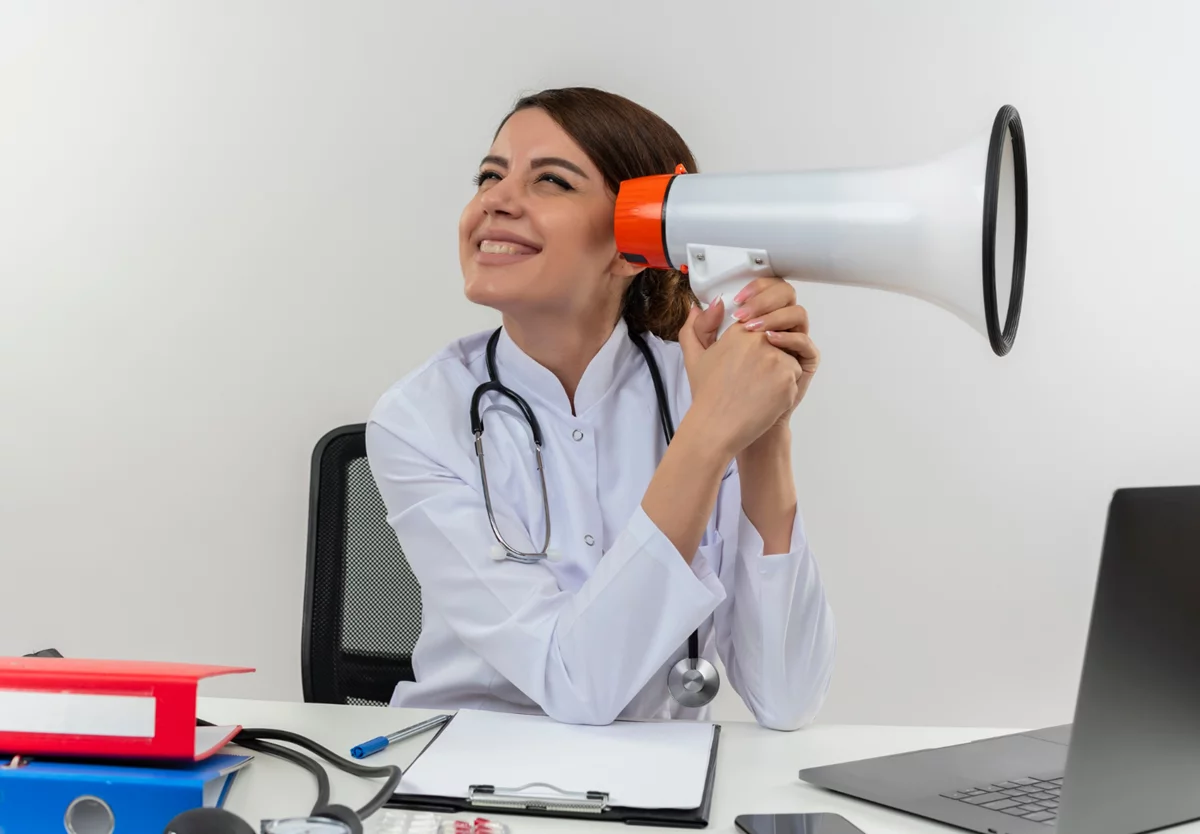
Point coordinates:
[(526, 376)]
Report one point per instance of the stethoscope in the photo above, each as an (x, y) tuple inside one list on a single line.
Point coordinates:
[(693, 681)]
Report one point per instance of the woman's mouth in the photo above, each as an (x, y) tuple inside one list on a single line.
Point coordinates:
[(504, 247), (499, 252)]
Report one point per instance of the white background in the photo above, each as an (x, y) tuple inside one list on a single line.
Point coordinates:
[(227, 227)]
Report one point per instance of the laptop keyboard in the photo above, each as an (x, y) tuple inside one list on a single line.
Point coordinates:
[(1033, 799)]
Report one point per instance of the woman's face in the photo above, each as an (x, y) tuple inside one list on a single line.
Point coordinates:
[(538, 234)]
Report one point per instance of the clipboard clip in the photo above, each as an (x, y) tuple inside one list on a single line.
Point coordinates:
[(550, 798)]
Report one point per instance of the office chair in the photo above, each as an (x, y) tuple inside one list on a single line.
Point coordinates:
[(362, 604)]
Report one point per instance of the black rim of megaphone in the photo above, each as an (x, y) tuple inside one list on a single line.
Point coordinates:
[(1008, 122)]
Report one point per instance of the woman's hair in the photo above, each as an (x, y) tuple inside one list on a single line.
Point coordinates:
[(625, 140)]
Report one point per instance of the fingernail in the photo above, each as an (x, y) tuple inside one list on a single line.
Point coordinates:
[(754, 325), (740, 314), (771, 334), (742, 296)]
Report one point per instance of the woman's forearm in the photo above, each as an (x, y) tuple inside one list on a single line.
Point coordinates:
[(683, 491), (769, 489)]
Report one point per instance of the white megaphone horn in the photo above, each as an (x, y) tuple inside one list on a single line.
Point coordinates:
[(944, 231)]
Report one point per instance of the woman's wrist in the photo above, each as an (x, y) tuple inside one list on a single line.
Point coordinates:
[(775, 442), (708, 437)]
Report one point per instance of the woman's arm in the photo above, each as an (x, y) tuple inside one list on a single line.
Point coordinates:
[(742, 390), (768, 488), (581, 656), (765, 306), (683, 491), (775, 630)]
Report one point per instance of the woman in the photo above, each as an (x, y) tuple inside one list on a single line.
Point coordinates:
[(649, 542)]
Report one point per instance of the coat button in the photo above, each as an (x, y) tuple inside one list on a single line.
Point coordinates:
[(590, 541), (577, 434)]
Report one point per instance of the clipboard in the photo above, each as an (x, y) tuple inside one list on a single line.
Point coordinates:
[(547, 799)]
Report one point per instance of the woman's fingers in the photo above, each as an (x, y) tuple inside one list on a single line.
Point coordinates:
[(689, 341), (799, 345), (708, 323), (762, 296), (793, 318)]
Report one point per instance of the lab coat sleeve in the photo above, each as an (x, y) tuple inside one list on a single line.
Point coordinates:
[(581, 656), (775, 630)]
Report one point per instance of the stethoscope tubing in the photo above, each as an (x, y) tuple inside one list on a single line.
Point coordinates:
[(493, 385)]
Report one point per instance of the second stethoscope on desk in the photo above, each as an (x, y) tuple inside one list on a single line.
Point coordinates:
[(693, 681)]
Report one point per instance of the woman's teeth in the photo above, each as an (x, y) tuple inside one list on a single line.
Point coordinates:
[(495, 247)]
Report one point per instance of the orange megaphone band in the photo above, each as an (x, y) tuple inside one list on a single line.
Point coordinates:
[(640, 221)]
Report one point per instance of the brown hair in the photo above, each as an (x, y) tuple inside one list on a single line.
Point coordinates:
[(625, 140)]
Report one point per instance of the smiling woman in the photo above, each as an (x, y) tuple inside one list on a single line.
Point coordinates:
[(669, 544), (582, 158)]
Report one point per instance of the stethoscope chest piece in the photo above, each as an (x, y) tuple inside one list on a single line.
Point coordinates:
[(693, 681)]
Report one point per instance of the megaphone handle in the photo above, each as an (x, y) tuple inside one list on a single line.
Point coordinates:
[(720, 272)]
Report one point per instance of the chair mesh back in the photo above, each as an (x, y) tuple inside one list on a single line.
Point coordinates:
[(363, 604), (381, 600)]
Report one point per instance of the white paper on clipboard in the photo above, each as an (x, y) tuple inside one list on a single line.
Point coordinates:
[(648, 765)]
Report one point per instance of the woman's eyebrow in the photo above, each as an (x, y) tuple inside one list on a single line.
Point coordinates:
[(540, 162), (555, 161)]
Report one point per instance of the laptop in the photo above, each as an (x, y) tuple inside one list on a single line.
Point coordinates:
[(1130, 760)]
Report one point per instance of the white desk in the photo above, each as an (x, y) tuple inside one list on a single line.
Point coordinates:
[(756, 768)]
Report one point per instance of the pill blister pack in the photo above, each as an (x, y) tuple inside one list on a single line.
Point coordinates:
[(479, 825), (393, 821)]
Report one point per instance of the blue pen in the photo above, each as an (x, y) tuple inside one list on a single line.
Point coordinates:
[(381, 742)]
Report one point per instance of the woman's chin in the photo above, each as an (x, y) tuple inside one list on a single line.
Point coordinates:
[(495, 289)]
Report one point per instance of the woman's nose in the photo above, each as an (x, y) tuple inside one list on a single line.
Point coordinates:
[(502, 198)]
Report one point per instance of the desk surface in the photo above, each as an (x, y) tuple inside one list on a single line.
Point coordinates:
[(756, 768)]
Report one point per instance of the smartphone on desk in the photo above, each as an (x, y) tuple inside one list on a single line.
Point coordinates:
[(795, 824)]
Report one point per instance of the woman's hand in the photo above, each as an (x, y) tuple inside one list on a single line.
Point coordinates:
[(765, 306), (742, 384), (769, 305)]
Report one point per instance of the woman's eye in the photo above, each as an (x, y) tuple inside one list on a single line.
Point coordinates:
[(557, 180), (484, 176)]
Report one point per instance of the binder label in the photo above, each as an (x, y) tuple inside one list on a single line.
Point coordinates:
[(70, 713)]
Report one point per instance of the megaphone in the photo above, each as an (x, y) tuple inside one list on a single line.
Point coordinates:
[(945, 231)]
